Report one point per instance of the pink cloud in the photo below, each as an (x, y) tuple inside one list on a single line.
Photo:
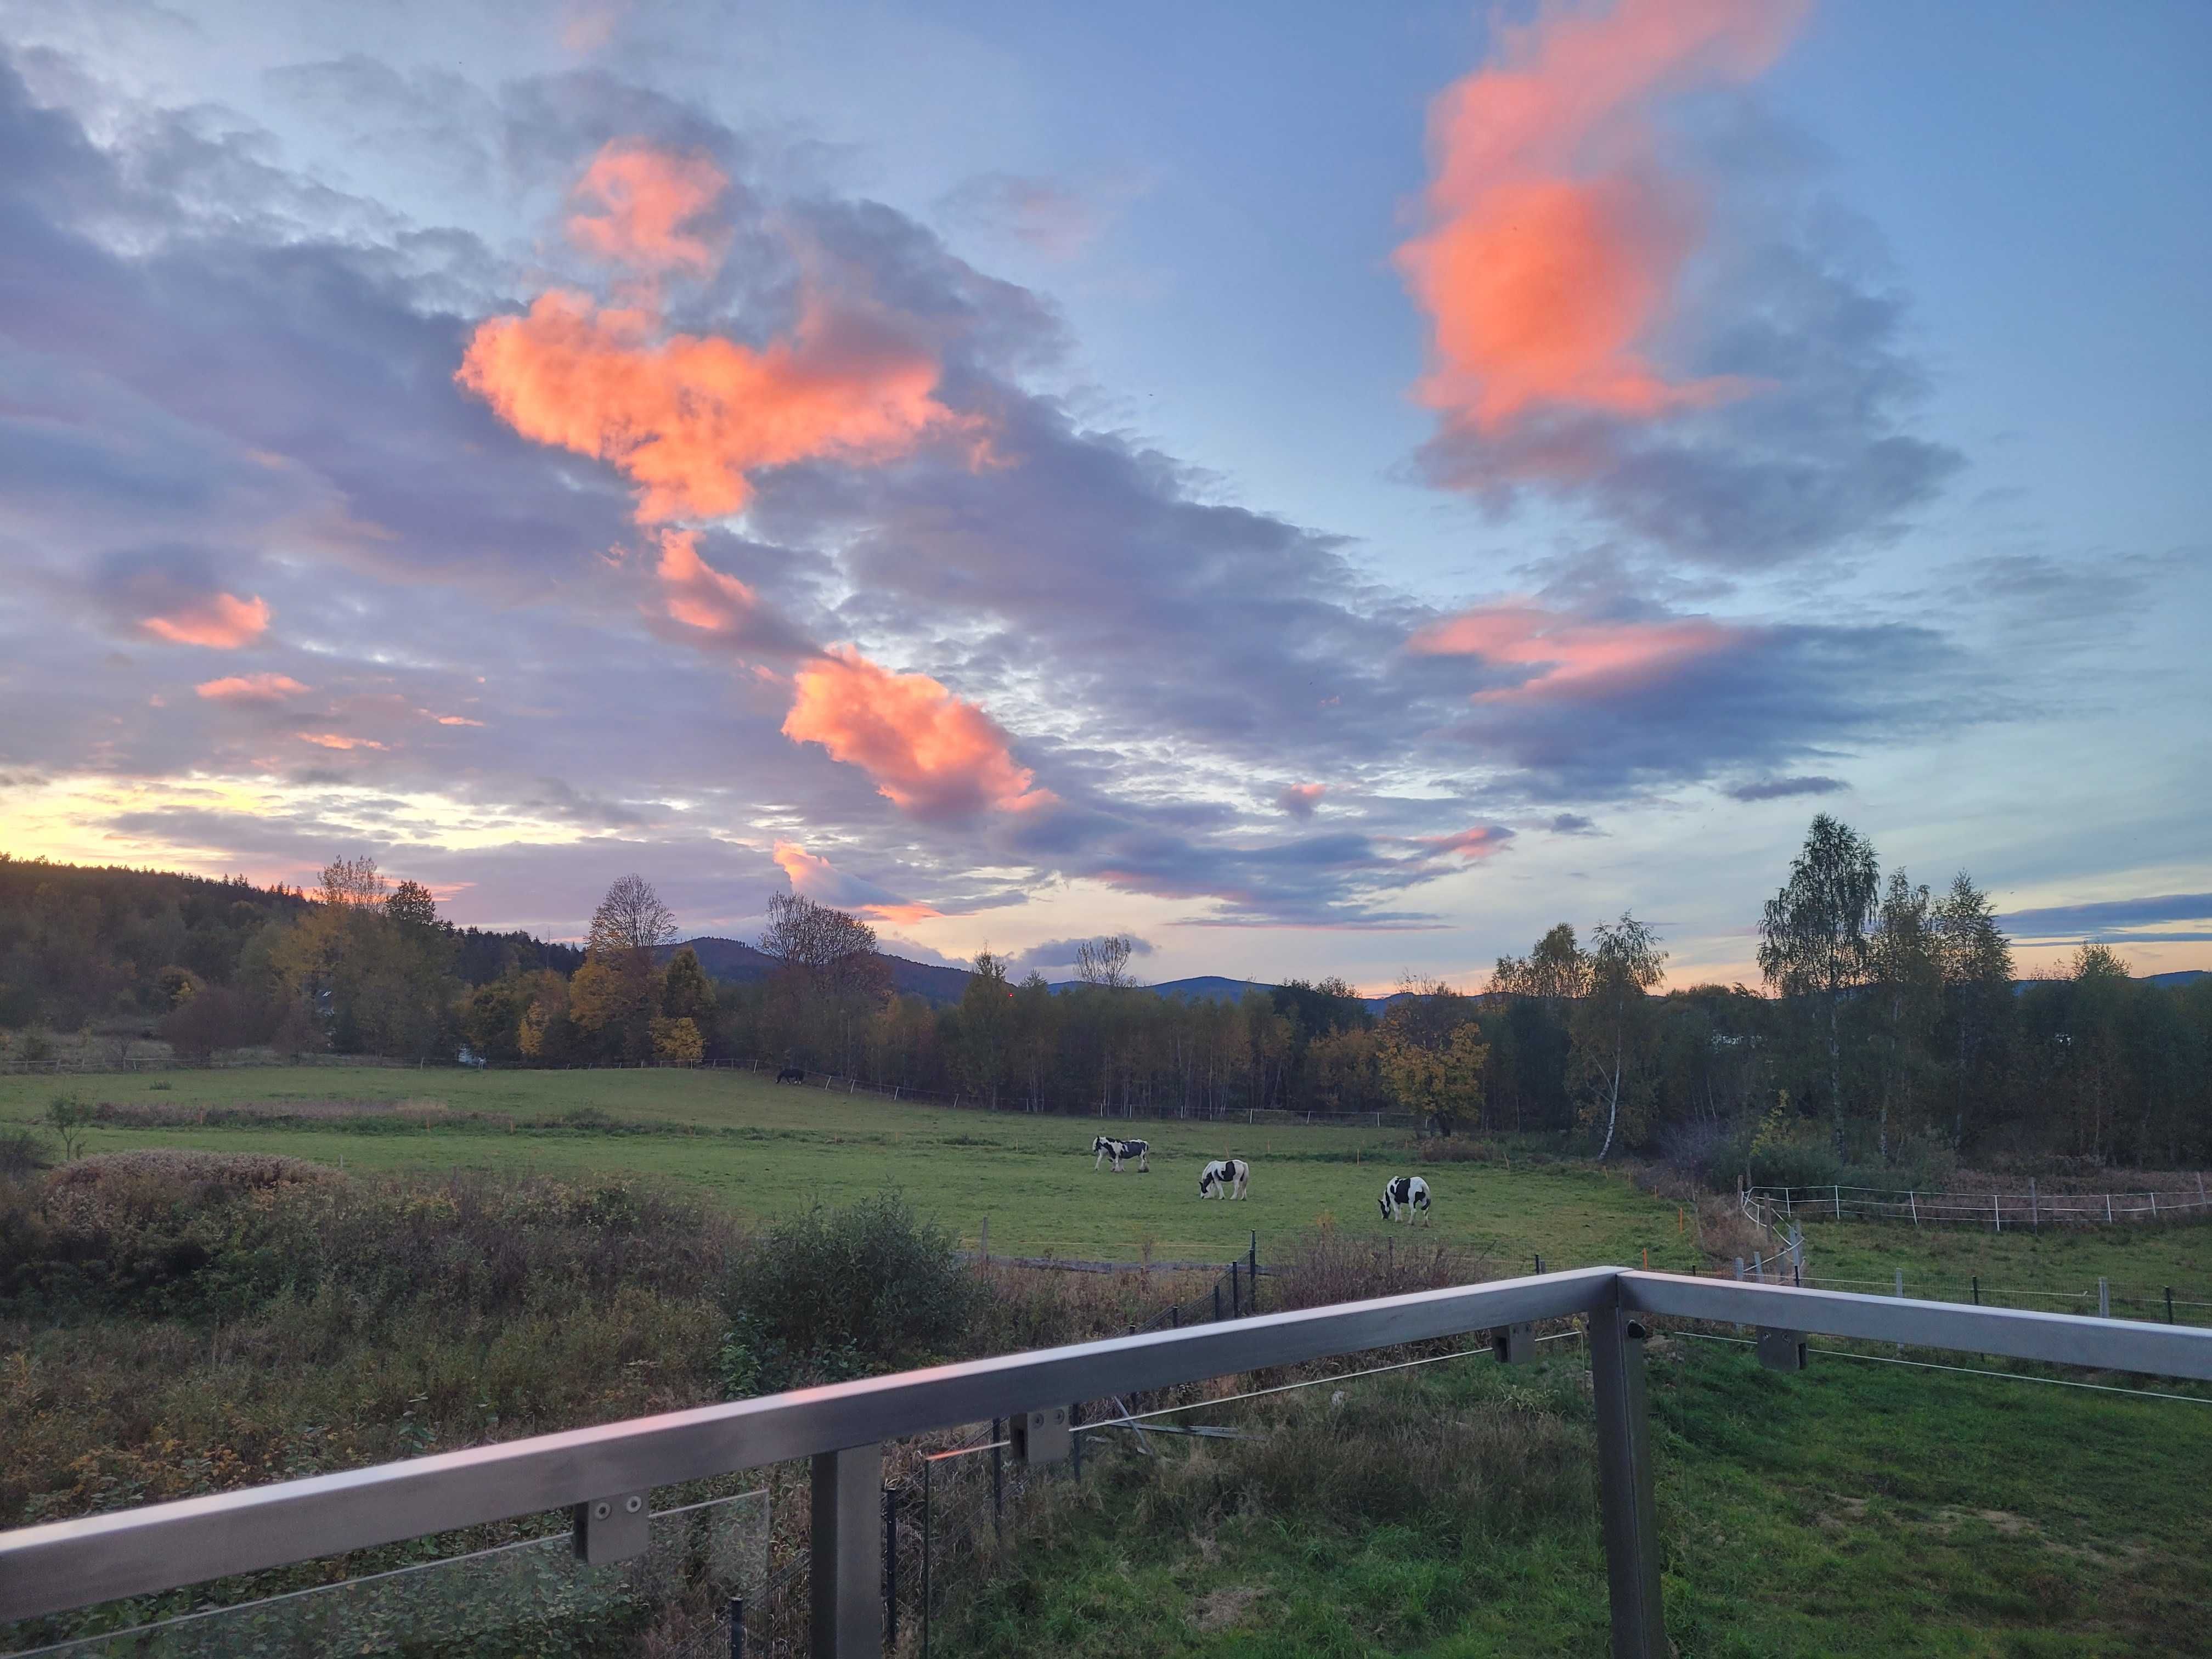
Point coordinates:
[(638, 207), (1483, 840), (1567, 658), (336, 740), (222, 622), (1554, 236), (929, 752), (1300, 799), (698, 595), (250, 688), (817, 879)]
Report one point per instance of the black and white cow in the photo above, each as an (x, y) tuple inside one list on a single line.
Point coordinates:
[(1405, 1193), (791, 1074), (1107, 1146), (1226, 1177)]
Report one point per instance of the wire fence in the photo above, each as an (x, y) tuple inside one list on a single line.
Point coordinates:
[(942, 1529), (2159, 1303), (1778, 1207)]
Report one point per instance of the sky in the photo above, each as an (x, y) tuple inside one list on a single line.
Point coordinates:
[(1318, 489)]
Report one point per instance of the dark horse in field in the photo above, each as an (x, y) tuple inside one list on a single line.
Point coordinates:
[(791, 1074)]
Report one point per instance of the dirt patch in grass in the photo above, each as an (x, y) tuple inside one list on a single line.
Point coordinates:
[(1219, 1609)]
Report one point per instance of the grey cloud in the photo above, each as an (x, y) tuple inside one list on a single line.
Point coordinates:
[(1571, 823), (1060, 952), (2092, 919), (1783, 788)]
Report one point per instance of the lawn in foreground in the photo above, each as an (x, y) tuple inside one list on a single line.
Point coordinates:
[(1855, 1509), (768, 1149)]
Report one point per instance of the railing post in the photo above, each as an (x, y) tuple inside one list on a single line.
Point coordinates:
[(847, 1563), (1625, 1491), (891, 1568)]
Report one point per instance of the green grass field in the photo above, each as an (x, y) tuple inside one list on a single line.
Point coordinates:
[(766, 1149), (1853, 1509), (1857, 1509)]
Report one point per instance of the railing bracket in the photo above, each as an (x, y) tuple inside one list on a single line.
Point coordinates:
[(1043, 1437), (609, 1529), (1515, 1345), (1780, 1350)]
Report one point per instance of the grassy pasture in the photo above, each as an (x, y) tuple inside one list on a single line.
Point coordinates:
[(1852, 1510), (765, 1149), (1855, 1509)]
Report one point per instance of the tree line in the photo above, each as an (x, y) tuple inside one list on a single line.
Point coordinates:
[(1889, 1036), (358, 964)]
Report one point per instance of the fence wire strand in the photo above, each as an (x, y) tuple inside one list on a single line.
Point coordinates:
[(1967, 1370)]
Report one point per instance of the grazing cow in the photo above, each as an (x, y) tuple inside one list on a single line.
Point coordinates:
[(1403, 1192), (791, 1074), (1226, 1177), (1106, 1146)]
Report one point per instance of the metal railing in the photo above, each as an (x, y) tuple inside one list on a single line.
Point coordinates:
[(606, 1474)]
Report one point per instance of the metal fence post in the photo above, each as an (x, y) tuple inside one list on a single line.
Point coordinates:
[(928, 1510), (1625, 1489), (891, 1567), (737, 1627), (845, 1567), (997, 1480)]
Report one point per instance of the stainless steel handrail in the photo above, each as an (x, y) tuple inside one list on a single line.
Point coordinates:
[(71, 1563), (2056, 1338)]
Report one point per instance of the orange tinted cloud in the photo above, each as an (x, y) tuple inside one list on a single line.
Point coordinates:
[(1554, 240), (336, 740), (689, 416), (1567, 658), (223, 622), (250, 688), (1480, 842), (695, 593), (1300, 799), (818, 880), (930, 753), (634, 202)]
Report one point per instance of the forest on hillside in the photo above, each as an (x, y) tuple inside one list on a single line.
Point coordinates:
[(1889, 1036)]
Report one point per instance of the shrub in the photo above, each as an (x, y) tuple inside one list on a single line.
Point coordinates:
[(835, 1292), (22, 1155)]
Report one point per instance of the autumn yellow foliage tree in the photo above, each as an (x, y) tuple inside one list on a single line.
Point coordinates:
[(677, 1042), (1430, 1053)]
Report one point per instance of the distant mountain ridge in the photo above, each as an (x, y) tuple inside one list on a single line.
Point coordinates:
[(740, 963)]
